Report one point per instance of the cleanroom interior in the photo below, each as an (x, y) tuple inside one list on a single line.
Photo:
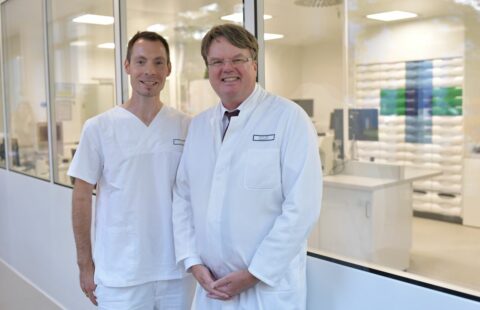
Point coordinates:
[(417, 75)]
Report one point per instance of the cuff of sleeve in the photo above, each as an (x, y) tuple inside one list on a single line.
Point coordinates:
[(261, 277), (191, 261)]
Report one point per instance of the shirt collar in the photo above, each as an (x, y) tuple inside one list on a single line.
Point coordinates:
[(243, 106)]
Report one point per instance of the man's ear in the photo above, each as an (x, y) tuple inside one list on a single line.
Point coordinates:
[(126, 65), (169, 65)]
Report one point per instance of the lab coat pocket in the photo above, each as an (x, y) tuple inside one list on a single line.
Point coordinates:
[(262, 169), (277, 298)]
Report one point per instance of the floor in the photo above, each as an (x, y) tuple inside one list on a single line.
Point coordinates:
[(446, 252), (441, 251), (16, 294)]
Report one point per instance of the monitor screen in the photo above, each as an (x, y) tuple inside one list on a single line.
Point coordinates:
[(15, 152), (306, 105), (42, 132), (362, 124), (2, 149), (336, 123)]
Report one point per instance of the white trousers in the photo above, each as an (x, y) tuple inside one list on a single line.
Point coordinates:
[(159, 295)]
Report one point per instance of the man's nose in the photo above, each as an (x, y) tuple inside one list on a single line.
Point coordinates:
[(227, 65), (149, 69)]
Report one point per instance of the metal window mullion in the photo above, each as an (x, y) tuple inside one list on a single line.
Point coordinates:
[(51, 121), (4, 94), (253, 22), (121, 79), (346, 83)]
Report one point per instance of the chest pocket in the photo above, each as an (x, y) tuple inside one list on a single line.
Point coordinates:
[(262, 169)]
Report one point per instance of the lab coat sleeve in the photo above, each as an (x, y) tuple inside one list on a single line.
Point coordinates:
[(302, 190), (182, 215)]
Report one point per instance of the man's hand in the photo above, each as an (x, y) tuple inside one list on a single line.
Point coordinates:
[(86, 282), (235, 282), (206, 280)]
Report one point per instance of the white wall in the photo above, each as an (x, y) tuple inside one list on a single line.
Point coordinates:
[(311, 72), (472, 91), (336, 287), (322, 78), (410, 40), (282, 69), (36, 238)]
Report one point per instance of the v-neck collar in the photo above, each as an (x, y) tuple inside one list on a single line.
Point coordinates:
[(152, 123)]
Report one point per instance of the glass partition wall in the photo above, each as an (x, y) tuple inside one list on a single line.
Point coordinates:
[(412, 103), (393, 100), (25, 87), (82, 71)]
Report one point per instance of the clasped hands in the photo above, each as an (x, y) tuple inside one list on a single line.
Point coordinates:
[(224, 288)]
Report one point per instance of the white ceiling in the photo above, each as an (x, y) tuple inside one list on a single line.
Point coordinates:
[(299, 24)]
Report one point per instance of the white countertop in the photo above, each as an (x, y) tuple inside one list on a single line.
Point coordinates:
[(410, 174)]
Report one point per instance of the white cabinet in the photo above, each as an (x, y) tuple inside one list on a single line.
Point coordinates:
[(471, 187), (367, 213)]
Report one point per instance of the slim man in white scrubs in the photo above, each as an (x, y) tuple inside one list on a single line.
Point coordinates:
[(131, 153), (248, 187)]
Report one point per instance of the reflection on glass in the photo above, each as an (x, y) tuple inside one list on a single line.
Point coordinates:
[(82, 72), (407, 116), (183, 24), (25, 86)]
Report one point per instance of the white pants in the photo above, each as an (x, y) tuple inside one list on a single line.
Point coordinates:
[(159, 295)]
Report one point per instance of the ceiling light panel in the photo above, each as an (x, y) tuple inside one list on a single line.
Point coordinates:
[(157, 28), (238, 17), (272, 36), (108, 45), (94, 19), (392, 15)]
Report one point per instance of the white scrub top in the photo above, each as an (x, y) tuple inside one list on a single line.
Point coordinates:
[(251, 201), (134, 167)]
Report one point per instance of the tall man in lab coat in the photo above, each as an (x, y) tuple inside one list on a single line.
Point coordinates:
[(248, 187), (131, 152)]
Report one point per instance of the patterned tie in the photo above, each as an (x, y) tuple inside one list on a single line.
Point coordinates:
[(229, 115)]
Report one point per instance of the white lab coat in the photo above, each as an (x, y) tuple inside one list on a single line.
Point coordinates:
[(134, 166), (251, 201)]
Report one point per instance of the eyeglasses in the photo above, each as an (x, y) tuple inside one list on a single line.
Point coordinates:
[(236, 62)]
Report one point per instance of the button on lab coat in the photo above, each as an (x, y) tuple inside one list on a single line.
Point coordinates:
[(251, 201)]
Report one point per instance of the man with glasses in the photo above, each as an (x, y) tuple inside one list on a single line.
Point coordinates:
[(131, 153), (248, 188)]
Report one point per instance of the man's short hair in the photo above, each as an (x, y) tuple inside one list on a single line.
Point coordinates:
[(236, 35), (149, 36)]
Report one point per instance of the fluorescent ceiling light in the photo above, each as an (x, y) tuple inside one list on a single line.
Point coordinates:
[(238, 17), (392, 15), (108, 45), (157, 28), (272, 36), (198, 35), (213, 7), (78, 43), (94, 19)]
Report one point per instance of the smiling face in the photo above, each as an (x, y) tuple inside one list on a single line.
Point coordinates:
[(232, 83), (148, 68)]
